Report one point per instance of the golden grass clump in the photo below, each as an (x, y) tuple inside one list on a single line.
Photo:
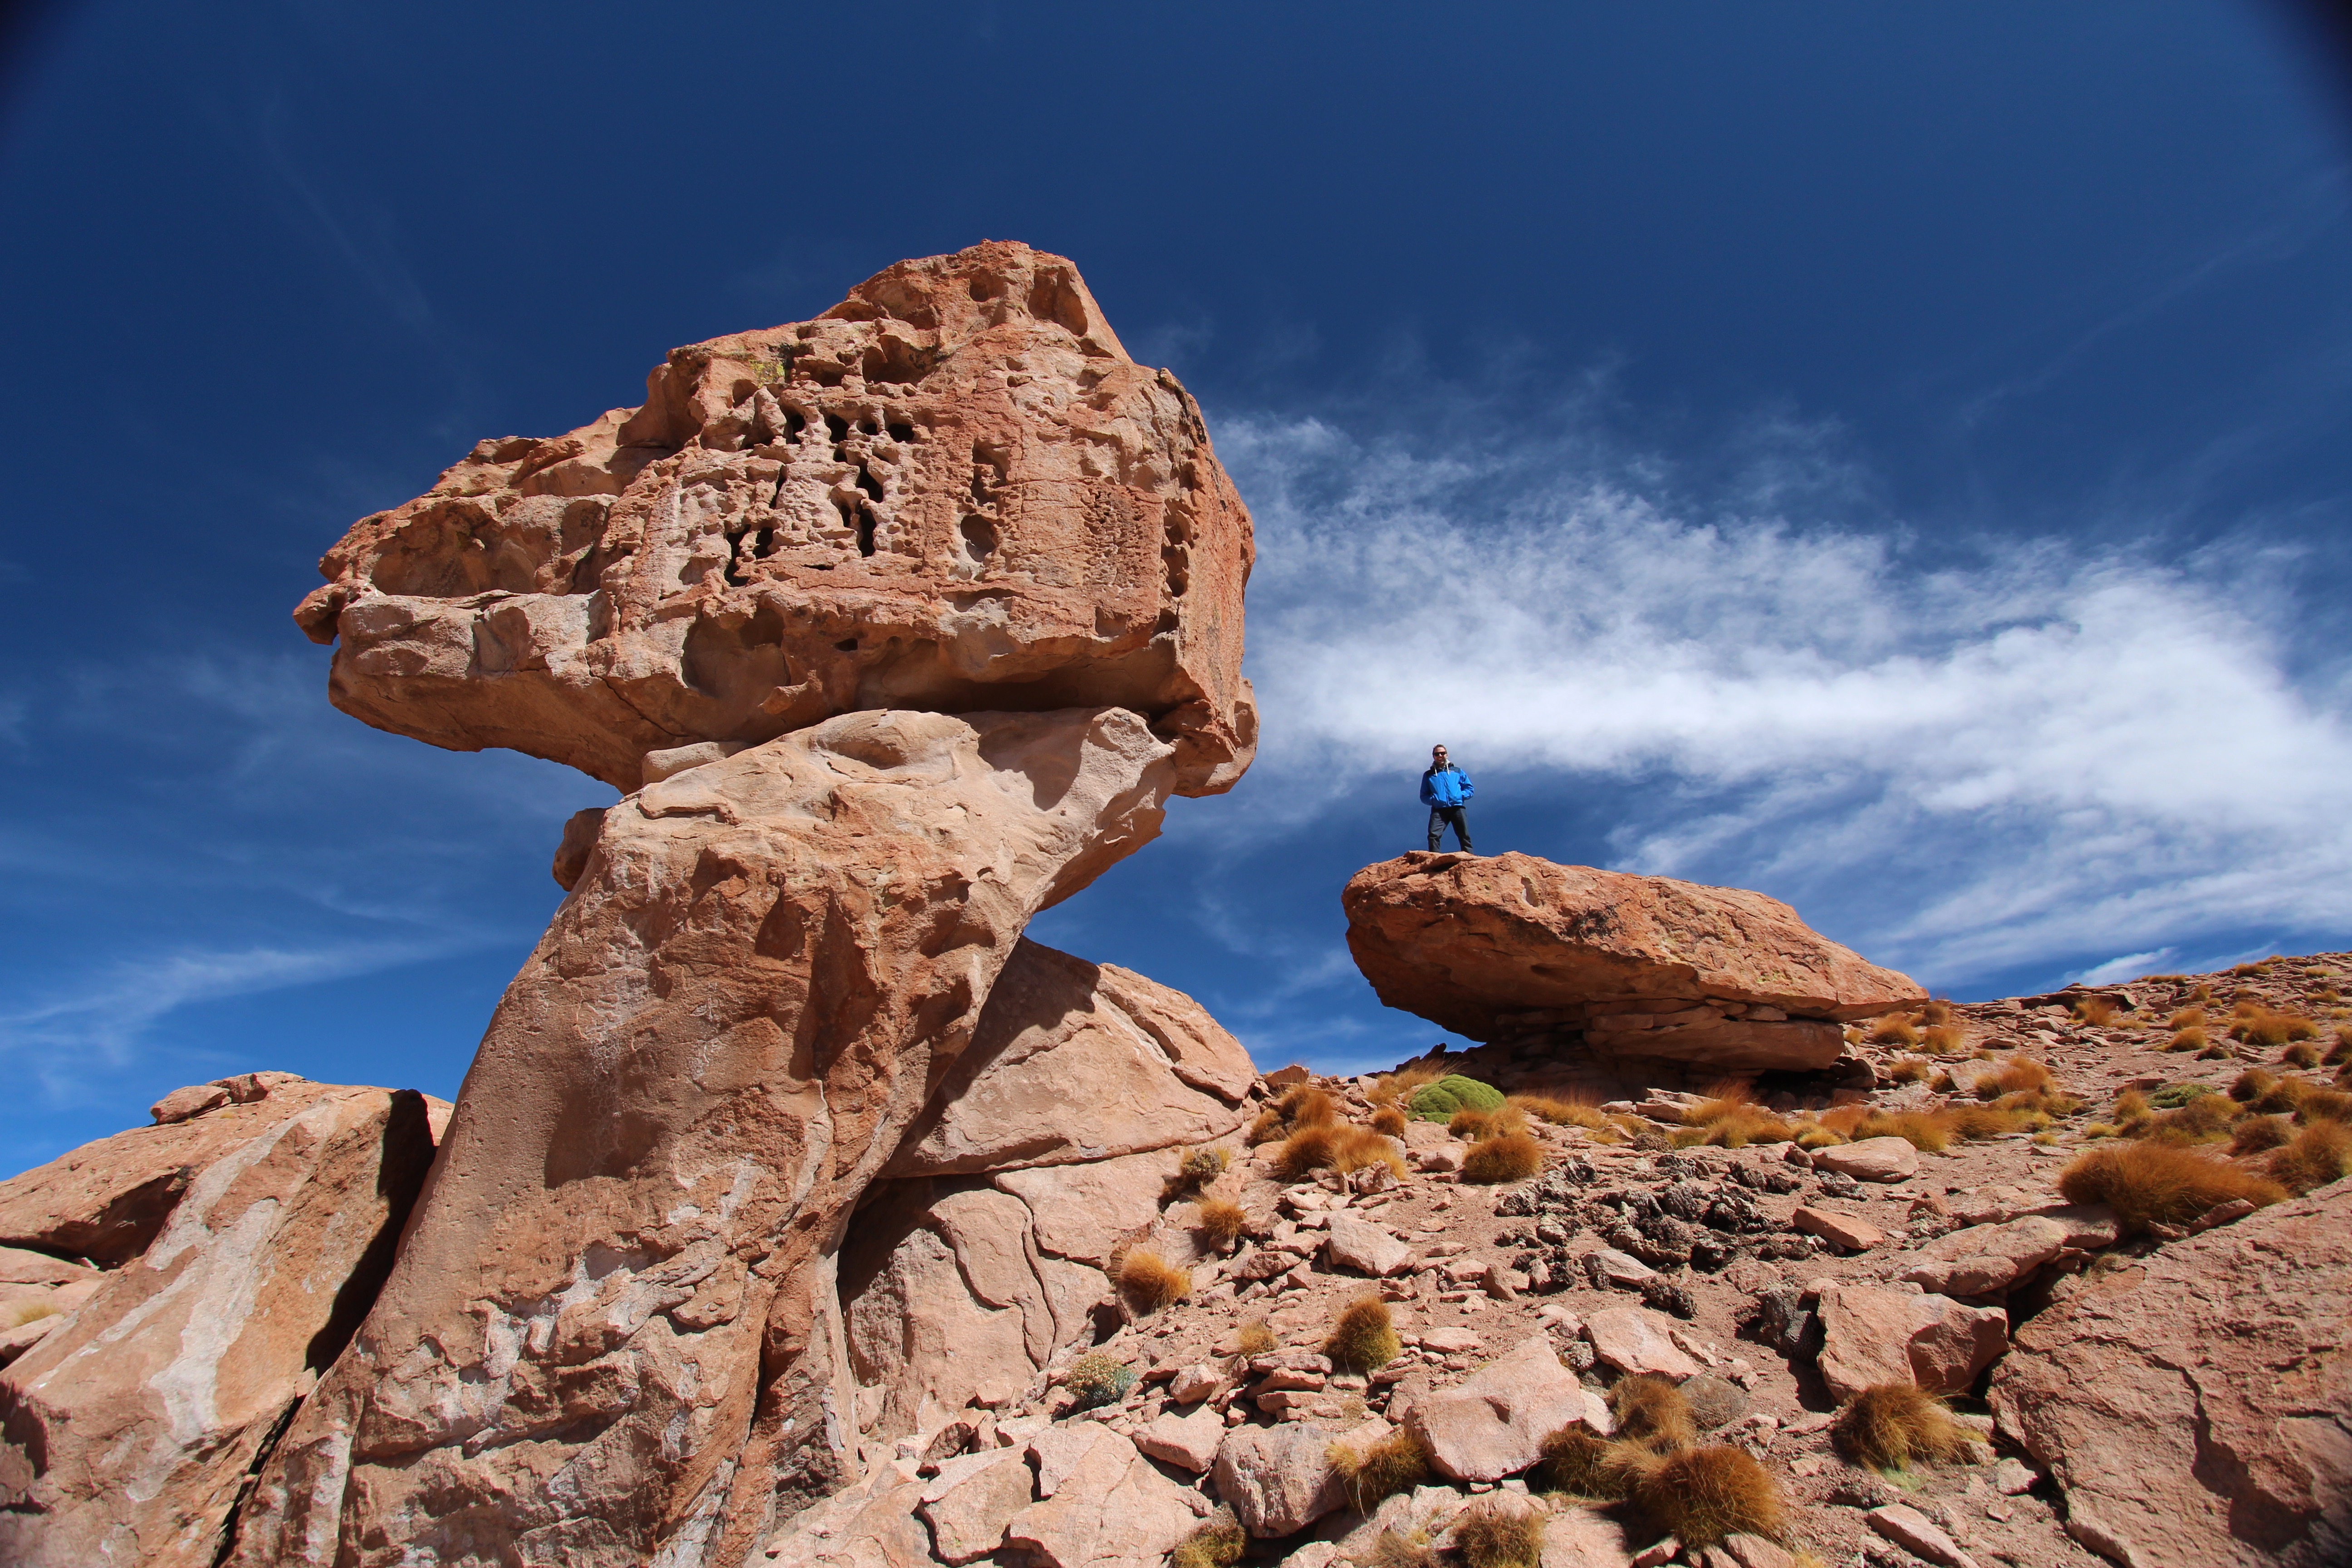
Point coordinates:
[(1388, 1088), (1561, 1110), (1219, 1543), (1253, 1338), (1473, 1124), (2341, 1051), (1939, 1011), (1151, 1282), (1908, 1070), (2157, 1183), (2256, 1133), (1928, 1132), (1894, 1029), (2196, 1120), (1388, 1121), (2320, 1153), (17, 1313), (1397, 1463), (1704, 1494), (1497, 1537), (1891, 1426), (2324, 1105), (2302, 1053), (2260, 1027), (1650, 1410), (1307, 1151), (2099, 1012), (2018, 1075), (1304, 1107), (1220, 1221), (1976, 1123), (2252, 1085), (2190, 1039), (1364, 1338), (1576, 1462), (1353, 1148), (1509, 1158), (2187, 1018), (1267, 1129), (1944, 1039)]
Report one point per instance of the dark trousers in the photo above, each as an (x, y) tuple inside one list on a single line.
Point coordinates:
[(1459, 816)]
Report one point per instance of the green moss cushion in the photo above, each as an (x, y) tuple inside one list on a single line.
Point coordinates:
[(1438, 1101)]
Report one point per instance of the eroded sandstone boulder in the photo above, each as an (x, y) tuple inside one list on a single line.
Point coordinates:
[(1628, 967), (2196, 1404), (953, 490), (132, 1427), (613, 1331)]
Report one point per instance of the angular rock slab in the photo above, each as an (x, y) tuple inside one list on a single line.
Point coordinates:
[(132, 1425), (1110, 1509), (623, 1272), (1653, 966), (1871, 1336), (1076, 1061), (953, 490), (1277, 1480), (2196, 1407), (1493, 1423)]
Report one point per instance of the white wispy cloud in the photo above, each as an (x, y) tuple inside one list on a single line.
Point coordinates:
[(2035, 752)]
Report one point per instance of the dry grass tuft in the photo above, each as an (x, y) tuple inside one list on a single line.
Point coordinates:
[(1305, 1150), (2256, 1133), (2191, 1039), (1397, 1463), (1908, 1070), (1471, 1124), (1939, 1011), (2253, 1085), (2187, 1018), (1255, 1338), (2324, 1105), (1509, 1158), (2099, 1012), (1390, 1086), (1928, 1132), (1364, 1338), (1497, 1537), (1388, 1121), (1576, 1462), (1944, 1039), (17, 1313), (2260, 1027), (1304, 1107), (2156, 1183), (2019, 1074), (2302, 1053), (1976, 1123), (1353, 1148), (1220, 1221), (1151, 1282), (2320, 1153), (1219, 1543), (1267, 1129), (1894, 1029), (1562, 1110), (1704, 1494), (1650, 1410), (1895, 1424)]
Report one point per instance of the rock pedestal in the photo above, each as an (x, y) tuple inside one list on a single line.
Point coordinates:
[(1509, 947)]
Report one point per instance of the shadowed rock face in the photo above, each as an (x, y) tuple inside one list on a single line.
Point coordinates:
[(952, 491), (1632, 966), (614, 1333)]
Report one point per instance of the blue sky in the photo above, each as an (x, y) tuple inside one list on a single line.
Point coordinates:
[(1892, 456)]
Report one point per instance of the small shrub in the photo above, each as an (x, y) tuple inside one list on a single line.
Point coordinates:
[(1219, 1543), (1576, 1462), (2256, 1133), (1253, 1338), (1364, 1338), (2320, 1153), (1196, 1168), (1889, 1427), (1307, 1151), (1438, 1101), (1510, 1158), (1651, 1411), (1151, 1282), (2151, 1182), (1220, 1221), (1908, 1070), (1894, 1029), (1704, 1494), (1099, 1378), (1944, 1039), (1494, 1537), (1389, 1122), (1397, 1463)]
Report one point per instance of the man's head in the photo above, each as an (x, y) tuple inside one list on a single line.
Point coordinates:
[(1437, 756)]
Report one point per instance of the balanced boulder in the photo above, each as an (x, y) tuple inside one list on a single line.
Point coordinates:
[(1505, 946)]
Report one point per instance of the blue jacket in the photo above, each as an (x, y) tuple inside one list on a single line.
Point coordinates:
[(1451, 787)]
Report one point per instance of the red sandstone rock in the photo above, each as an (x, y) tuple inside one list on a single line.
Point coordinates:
[(622, 1271), (952, 490), (133, 1423), (1639, 966), (2196, 1407)]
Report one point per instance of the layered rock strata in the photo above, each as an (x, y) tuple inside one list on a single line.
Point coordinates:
[(953, 490), (134, 1424), (614, 1334), (1566, 959)]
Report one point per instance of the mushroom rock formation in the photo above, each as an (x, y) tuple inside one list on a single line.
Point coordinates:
[(259, 1233), (952, 491), (614, 1333), (1644, 968)]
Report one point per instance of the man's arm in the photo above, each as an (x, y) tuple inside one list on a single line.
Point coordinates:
[(1428, 789), (1468, 789)]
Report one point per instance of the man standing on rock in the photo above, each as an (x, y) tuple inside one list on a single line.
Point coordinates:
[(1446, 791)]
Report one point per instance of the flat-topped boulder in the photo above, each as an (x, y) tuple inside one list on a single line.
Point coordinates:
[(1493, 946), (953, 490)]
